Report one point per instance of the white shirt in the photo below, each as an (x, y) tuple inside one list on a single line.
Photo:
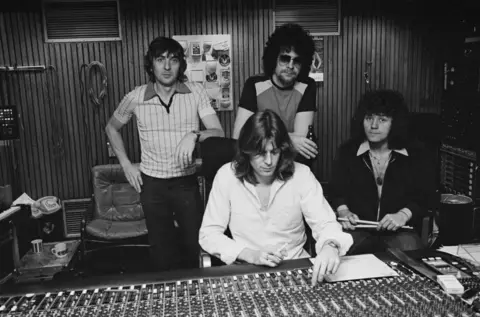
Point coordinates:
[(235, 204), (161, 128)]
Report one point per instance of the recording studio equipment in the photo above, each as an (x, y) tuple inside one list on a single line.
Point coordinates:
[(459, 171), (461, 95), (8, 123), (251, 291)]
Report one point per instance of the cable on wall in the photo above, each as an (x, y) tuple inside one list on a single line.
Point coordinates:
[(91, 70)]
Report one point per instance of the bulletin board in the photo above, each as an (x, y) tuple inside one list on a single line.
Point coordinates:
[(209, 62)]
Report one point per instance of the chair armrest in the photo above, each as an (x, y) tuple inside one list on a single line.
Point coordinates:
[(427, 226)]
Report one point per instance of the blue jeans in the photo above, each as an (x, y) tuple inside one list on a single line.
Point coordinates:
[(371, 241), (166, 200)]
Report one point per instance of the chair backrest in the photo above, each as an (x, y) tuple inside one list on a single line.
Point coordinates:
[(427, 129), (215, 152), (114, 198)]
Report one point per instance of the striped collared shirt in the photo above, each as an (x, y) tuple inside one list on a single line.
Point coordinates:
[(162, 126)]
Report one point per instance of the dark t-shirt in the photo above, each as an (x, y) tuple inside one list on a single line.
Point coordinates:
[(260, 93)]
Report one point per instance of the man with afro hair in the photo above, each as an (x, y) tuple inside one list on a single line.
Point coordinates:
[(284, 87)]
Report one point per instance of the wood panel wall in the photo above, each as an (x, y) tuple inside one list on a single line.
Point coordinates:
[(62, 134)]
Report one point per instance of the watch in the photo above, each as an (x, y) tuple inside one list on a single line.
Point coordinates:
[(197, 133), (333, 244)]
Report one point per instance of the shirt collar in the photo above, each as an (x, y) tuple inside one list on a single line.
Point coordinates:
[(365, 146), (150, 92)]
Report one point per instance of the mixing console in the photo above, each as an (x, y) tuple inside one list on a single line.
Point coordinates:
[(281, 293)]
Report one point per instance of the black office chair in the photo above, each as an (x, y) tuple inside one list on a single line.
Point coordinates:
[(213, 153), (426, 128)]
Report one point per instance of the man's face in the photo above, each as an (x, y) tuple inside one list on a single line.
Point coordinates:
[(377, 127), (264, 164), (288, 68), (166, 68)]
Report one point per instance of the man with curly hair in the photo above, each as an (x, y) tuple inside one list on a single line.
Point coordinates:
[(383, 174), (285, 87), (168, 111), (263, 197)]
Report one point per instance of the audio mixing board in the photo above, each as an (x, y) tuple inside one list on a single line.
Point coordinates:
[(281, 292)]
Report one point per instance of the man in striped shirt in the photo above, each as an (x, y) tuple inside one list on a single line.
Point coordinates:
[(168, 111)]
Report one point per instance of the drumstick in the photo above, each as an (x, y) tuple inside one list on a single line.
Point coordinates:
[(367, 222)]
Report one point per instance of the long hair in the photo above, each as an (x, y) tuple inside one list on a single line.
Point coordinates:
[(159, 46), (260, 128), (385, 102), (286, 38)]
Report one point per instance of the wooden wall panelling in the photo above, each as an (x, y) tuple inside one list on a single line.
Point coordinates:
[(398, 51)]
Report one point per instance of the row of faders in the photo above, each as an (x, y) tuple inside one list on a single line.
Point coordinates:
[(284, 293)]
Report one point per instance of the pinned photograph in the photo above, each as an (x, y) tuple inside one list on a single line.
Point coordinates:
[(195, 49), (224, 60), (225, 104), (196, 75), (207, 51), (211, 70), (226, 74), (225, 93), (184, 44), (316, 69)]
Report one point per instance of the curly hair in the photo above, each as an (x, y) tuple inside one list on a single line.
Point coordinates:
[(286, 38), (385, 102), (260, 128), (159, 46)]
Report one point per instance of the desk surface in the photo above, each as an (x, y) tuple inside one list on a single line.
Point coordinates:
[(469, 251), (7, 213)]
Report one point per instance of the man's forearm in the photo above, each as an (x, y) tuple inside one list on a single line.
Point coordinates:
[(245, 255), (205, 134), (116, 142), (291, 134)]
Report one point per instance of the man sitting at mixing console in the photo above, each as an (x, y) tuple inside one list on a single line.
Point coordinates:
[(382, 175), (262, 197)]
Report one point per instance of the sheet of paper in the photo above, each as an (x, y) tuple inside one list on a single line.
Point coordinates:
[(468, 252), (357, 267)]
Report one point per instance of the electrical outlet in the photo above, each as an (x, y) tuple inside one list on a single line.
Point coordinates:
[(111, 153)]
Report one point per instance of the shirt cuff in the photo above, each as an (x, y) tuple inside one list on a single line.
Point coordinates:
[(120, 118), (231, 254), (407, 212), (343, 241), (206, 111)]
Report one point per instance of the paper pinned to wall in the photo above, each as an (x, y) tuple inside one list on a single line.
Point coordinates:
[(358, 267)]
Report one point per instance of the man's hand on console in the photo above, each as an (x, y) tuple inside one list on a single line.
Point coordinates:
[(264, 257), (133, 175), (393, 222), (326, 262), (352, 219)]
